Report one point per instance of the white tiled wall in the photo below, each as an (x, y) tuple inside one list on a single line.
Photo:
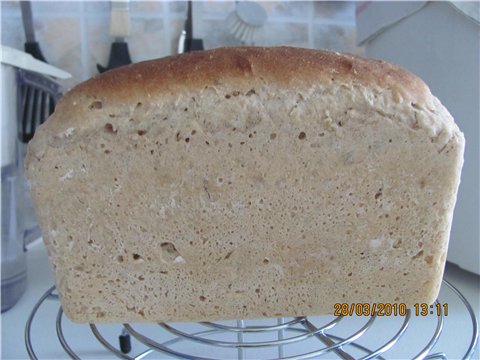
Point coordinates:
[(74, 35)]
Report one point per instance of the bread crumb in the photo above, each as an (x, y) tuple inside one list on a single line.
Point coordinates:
[(69, 132), (179, 260), (68, 175)]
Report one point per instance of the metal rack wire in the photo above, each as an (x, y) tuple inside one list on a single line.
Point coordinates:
[(242, 336)]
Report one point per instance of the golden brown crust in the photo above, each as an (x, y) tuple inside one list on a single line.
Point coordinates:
[(282, 65)]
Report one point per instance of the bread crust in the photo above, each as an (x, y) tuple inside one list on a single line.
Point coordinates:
[(287, 66)]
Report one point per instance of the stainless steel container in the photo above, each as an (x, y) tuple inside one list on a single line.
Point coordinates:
[(14, 268), (23, 91)]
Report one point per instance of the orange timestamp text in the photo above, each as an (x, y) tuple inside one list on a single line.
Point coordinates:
[(388, 309)]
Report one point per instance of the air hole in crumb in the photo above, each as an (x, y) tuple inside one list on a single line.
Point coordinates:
[(187, 140), (273, 136), (141, 313), (97, 105), (136, 257), (250, 92), (378, 194), (107, 151), (350, 274), (266, 261), (169, 251), (139, 104), (186, 109), (257, 291), (227, 96), (340, 123), (202, 298), (206, 142), (141, 132), (108, 128), (194, 132), (417, 255), (120, 258), (302, 135), (177, 136), (429, 259), (397, 244), (236, 93)]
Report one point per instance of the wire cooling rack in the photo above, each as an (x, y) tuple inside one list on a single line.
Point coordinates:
[(283, 338)]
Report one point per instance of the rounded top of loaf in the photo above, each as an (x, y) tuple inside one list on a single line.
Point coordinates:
[(270, 65), (388, 88)]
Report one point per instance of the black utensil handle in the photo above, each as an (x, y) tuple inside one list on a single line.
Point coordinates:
[(193, 45), (119, 56), (33, 48), (26, 8), (189, 21)]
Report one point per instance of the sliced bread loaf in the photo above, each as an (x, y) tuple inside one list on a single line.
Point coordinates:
[(245, 183)]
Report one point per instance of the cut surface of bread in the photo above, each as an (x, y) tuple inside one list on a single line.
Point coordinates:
[(245, 183)]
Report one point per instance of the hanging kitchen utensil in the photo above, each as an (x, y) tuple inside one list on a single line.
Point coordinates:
[(119, 29), (38, 96), (37, 92), (186, 41), (31, 45), (246, 20), (37, 104), (21, 60)]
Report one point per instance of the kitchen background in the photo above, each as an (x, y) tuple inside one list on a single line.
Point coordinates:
[(74, 36), (437, 40)]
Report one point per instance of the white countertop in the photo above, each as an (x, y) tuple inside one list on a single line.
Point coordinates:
[(455, 337)]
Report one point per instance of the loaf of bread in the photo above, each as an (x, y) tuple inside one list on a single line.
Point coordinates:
[(245, 183)]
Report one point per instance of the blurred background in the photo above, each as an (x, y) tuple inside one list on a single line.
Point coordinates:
[(75, 35)]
